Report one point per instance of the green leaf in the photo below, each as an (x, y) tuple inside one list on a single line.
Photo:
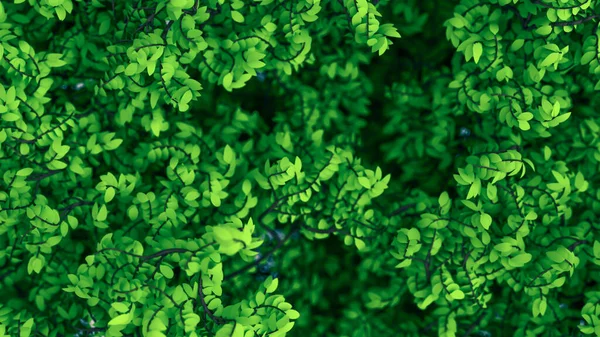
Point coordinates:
[(120, 307), (443, 199), (521, 259), (238, 331), (596, 249), (365, 182), (543, 306), (227, 80), (360, 244), (486, 220), (226, 330), (544, 30), (215, 200), (60, 13), (24, 172), (222, 234), (457, 294), (477, 51), (166, 271), (228, 154), (122, 319), (272, 286), (237, 16), (260, 298), (131, 69), (192, 195), (109, 194), (503, 247), (102, 213)]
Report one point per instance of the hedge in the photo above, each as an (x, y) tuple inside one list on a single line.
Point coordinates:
[(347, 168)]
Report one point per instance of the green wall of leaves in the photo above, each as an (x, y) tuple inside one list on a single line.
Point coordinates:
[(343, 168)]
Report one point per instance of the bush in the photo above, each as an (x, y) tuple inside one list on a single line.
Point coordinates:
[(271, 168)]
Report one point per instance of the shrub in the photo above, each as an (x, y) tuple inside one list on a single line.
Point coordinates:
[(272, 168)]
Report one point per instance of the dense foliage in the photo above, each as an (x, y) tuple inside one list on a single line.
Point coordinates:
[(271, 168)]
